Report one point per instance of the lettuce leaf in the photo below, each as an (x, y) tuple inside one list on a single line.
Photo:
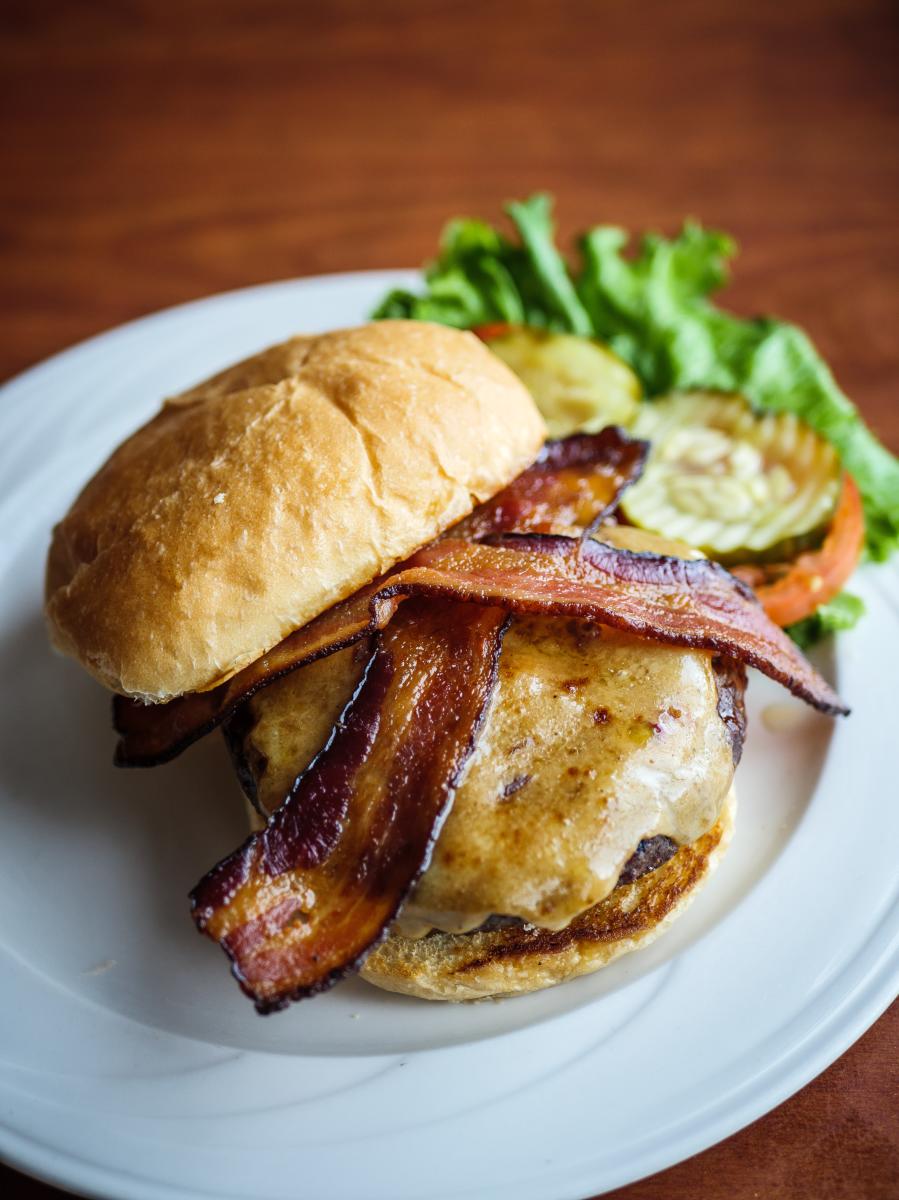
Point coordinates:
[(653, 308), (842, 612)]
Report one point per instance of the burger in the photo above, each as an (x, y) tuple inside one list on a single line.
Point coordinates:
[(487, 734)]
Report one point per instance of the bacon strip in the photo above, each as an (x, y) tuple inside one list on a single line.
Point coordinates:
[(576, 481), (678, 601), (685, 603), (301, 903), (151, 734)]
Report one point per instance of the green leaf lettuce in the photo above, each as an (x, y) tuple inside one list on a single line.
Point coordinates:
[(842, 612), (654, 310)]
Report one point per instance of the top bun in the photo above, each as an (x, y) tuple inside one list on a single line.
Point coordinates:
[(253, 502)]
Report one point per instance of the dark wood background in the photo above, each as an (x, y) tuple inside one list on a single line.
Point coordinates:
[(156, 152)]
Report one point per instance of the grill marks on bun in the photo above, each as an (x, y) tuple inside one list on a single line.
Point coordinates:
[(514, 959)]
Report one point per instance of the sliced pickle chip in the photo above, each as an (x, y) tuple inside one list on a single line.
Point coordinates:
[(733, 482), (578, 384)]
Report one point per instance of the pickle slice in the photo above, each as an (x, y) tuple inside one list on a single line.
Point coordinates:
[(578, 384), (733, 482)]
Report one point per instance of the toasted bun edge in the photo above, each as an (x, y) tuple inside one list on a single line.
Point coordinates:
[(513, 961)]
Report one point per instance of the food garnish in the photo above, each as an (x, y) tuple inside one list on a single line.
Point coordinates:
[(733, 483), (792, 592), (573, 330), (579, 384)]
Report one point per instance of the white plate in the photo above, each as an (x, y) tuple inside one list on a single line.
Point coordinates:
[(130, 1065)]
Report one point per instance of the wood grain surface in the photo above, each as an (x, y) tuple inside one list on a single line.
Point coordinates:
[(157, 152)]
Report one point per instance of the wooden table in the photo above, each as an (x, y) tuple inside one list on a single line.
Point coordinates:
[(154, 153)]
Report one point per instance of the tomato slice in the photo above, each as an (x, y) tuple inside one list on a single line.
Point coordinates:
[(790, 591), (816, 577), (492, 330)]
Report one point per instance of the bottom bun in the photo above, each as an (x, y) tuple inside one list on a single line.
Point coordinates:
[(522, 958)]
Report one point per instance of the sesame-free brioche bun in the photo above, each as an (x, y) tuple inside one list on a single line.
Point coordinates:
[(256, 500)]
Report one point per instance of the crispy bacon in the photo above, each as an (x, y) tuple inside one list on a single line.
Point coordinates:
[(303, 902), (576, 481), (151, 734), (685, 603)]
